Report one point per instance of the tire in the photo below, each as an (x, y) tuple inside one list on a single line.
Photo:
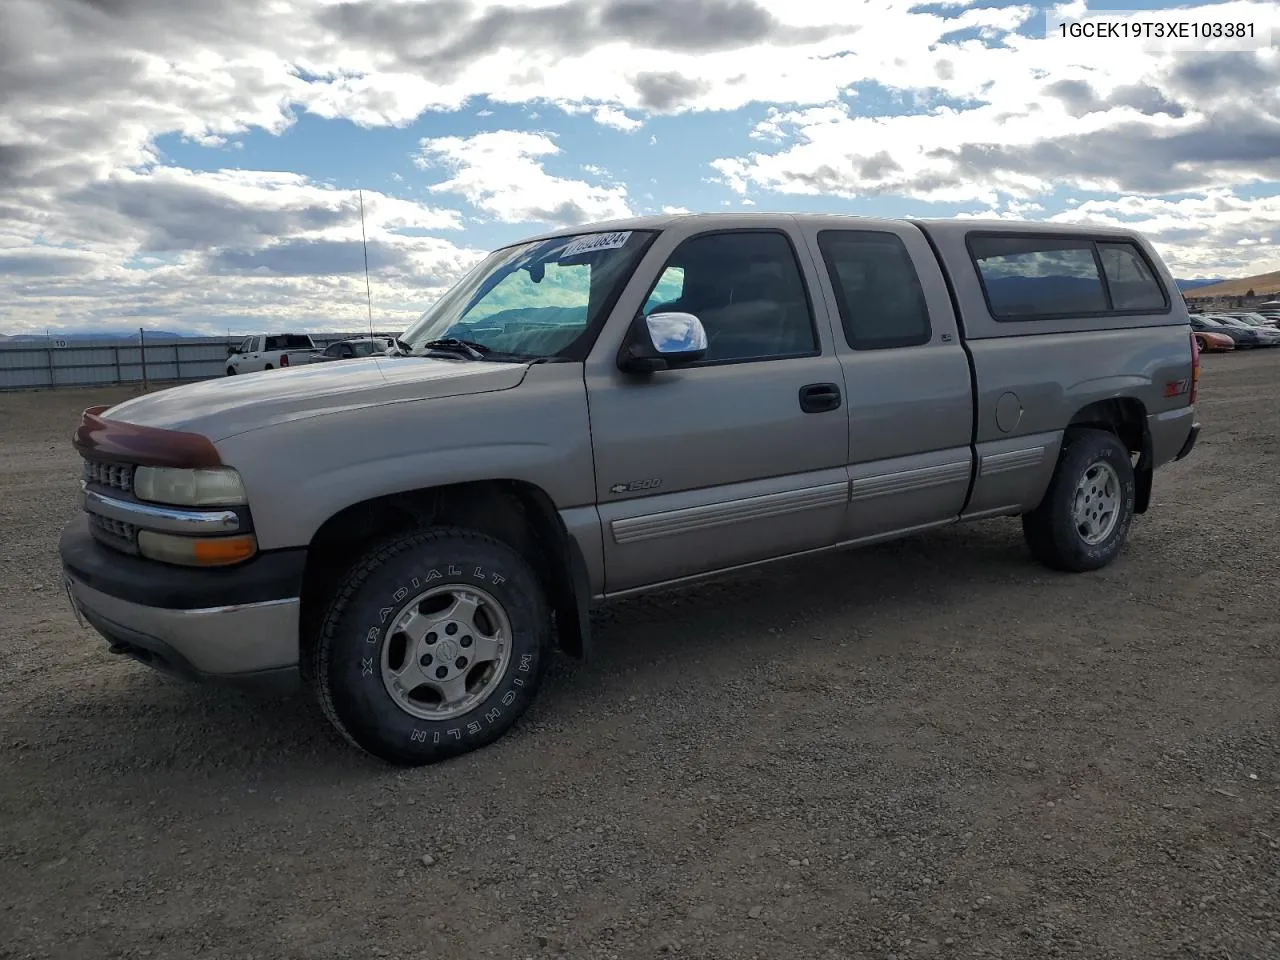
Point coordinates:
[(1051, 529), (231, 371), (267, 367), (358, 648)]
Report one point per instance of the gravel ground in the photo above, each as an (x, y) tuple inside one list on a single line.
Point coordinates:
[(928, 748)]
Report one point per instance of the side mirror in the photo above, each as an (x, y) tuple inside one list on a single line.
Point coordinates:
[(231, 350), (661, 341)]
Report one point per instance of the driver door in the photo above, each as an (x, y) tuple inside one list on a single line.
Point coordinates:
[(740, 457)]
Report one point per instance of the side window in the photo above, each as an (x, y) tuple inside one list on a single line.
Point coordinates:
[(273, 343), (1133, 285), (1027, 278), (747, 289), (877, 289), (246, 345), (669, 287)]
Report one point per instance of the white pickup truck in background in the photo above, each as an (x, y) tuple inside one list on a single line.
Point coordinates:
[(269, 352)]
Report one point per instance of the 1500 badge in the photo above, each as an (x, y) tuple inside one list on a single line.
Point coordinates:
[(636, 485)]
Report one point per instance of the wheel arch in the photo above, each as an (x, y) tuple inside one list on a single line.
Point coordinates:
[(518, 513), (1126, 417)]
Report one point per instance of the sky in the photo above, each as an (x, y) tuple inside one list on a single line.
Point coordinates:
[(199, 166)]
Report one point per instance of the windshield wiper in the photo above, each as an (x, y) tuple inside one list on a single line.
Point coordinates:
[(476, 351)]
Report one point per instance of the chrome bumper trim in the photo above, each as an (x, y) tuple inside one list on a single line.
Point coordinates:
[(148, 516)]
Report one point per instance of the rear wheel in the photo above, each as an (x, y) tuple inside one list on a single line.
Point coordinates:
[(267, 367), (434, 645), (1084, 518)]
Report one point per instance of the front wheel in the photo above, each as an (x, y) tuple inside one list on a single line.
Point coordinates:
[(433, 646), (1084, 518), (231, 371)]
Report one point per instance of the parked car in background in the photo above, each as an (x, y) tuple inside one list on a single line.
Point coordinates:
[(596, 413), (1268, 336), (1244, 336), (1253, 319), (353, 347), (1213, 342), (269, 351)]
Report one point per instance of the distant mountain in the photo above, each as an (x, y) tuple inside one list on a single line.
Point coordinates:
[(1262, 285), (1013, 295), (1025, 295)]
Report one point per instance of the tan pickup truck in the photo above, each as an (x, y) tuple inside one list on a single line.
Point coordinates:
[(612, 409)]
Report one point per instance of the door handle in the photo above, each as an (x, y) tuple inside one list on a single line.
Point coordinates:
[(819, 397)]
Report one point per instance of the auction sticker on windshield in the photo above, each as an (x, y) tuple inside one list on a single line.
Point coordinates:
[(595, 241)]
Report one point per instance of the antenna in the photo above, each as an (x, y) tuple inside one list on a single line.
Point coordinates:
[(368, 293)]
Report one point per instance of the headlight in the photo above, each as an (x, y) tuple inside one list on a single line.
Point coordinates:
[(199, 487)]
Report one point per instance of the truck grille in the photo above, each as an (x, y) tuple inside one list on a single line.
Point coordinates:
[(114, 533), (118, 476)]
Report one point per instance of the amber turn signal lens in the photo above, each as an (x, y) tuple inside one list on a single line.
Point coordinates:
[(212, 553), (196, 551)]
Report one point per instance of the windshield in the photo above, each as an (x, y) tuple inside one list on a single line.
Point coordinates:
[(534, 299)]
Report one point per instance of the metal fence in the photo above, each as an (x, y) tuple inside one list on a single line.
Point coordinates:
[(42, 364)]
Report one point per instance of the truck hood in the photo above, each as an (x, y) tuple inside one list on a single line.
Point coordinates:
[(226, 406)]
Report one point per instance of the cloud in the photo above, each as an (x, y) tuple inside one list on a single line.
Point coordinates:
[(148, 243), (1215, 233), (309, 258), (956, 102), (37, 261), (604, 115), (501, 173), (1156, 124), (247, 289), (177, 209), (1080, 99), (441, 38), (663, 91)]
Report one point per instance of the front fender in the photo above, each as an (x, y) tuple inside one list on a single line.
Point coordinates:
[(299, 473)]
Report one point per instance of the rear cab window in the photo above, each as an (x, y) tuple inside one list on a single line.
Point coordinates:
[(1039, 277), (1129, 278)]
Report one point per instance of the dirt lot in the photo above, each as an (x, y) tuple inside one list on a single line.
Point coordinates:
[(930, 748)]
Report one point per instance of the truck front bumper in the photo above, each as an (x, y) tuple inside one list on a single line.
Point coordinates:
[(238, 623)]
